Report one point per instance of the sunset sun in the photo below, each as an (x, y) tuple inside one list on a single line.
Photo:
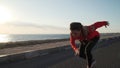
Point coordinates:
[(5, 15)]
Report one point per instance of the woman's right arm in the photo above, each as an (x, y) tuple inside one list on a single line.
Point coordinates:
[(73, 45), (72, 42)]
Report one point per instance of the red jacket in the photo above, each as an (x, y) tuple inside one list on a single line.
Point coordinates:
[(91, 33)]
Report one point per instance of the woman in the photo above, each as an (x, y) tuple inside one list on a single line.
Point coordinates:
[(88, 36)]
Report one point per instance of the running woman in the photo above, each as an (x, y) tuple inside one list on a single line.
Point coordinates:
[(88, 36)]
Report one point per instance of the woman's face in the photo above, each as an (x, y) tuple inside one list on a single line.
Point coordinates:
[(75, 33)]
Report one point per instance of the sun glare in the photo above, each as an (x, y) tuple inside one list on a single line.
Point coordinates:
[(5, 15), (4, 38)]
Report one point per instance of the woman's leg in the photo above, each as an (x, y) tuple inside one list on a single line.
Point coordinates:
[(82, 50), (88, 50)]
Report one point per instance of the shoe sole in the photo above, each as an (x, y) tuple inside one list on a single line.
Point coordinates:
[(93, 64)]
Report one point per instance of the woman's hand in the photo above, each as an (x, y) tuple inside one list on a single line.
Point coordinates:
[(77, 52), (107, 24)]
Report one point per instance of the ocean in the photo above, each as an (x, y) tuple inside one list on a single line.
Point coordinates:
[(27, 37)]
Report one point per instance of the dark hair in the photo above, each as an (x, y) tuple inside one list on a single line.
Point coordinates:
[(77, 26)]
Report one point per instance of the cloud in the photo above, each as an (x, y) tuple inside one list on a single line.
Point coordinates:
[(22, 24), (27, 24), (30, 28)]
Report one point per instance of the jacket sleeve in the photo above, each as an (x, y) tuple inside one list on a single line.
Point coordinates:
[(99, 24), (72, 42)]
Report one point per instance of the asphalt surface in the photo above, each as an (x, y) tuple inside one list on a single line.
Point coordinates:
[(106, 57), (41, 61)]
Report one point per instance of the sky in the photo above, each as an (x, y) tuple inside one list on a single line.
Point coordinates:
[(55, 16)]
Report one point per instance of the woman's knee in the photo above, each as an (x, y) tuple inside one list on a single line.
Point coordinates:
[(88, 52)]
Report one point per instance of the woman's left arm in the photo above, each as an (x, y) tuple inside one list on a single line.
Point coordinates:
[(99, 24)]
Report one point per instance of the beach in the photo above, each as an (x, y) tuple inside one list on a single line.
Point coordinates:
[(42, 46)]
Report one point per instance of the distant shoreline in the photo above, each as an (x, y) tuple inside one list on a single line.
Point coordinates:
[(30, 42)]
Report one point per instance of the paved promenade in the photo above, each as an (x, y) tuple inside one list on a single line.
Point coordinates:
[(106, 57)]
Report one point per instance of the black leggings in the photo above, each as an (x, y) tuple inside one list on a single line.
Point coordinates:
[(86, 48)]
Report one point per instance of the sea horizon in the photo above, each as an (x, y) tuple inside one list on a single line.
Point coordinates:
[(4, 38)]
